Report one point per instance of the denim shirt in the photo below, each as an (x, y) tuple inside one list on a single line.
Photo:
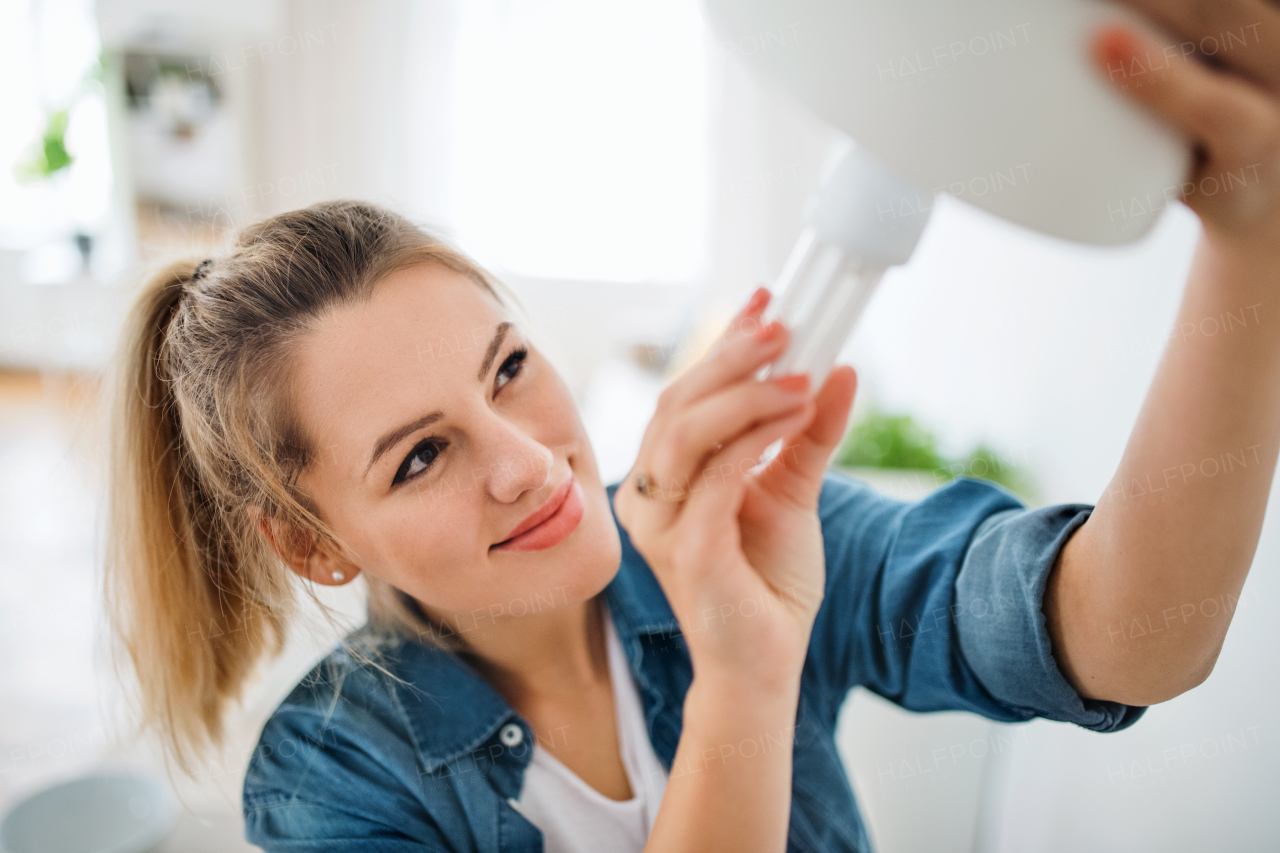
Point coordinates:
[(932, 604)]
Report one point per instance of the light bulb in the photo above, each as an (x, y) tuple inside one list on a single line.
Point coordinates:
[(852, 237)]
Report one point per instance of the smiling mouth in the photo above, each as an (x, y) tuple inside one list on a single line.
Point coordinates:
[(551, 523)]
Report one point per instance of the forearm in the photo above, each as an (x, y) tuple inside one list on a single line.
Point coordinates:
[(730, 783), (1128, 605)]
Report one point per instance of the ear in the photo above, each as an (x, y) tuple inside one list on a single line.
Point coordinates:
[(299, 552)]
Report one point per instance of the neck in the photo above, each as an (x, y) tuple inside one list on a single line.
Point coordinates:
[(554, 653)]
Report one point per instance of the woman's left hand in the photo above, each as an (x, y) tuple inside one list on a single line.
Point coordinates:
[(778, 518), (1222, 94)]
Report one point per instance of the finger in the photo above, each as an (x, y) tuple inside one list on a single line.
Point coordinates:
[(744, 354), (795, 473), (643, 518), (675, 459), (747, 321), (718, 420), (1233, 119), (738, 359), (736, 362), (1241, 34), (719, 486)]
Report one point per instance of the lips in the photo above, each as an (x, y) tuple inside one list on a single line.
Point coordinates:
[(551, 523)]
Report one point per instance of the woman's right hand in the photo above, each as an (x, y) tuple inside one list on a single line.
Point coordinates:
[(1226, 101), (746, 612)]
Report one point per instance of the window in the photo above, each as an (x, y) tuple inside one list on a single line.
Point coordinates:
[(48, 55)]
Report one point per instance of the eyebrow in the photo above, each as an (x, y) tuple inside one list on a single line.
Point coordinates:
[(391, 439)]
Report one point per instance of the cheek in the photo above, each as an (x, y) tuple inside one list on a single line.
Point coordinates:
[(574, 440), (420, 546), (559, 414)]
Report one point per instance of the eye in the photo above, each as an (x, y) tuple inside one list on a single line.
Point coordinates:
[(425, 452), (511, 367), (419, 459)]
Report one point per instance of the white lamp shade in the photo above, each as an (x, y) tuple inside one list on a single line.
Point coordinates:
[(994, 101)]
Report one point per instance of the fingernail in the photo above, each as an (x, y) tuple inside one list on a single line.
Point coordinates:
[(793, 382), (757, 299), (1118, 44), (769, 331)]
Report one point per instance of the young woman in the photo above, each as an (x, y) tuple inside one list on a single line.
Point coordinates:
[(550, 663)]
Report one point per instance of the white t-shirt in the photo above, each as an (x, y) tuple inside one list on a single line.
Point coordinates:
[(573, 816)]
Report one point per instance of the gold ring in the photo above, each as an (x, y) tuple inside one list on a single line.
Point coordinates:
[(646, 486)]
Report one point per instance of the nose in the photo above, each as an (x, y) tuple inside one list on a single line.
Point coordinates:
[(514, 461)]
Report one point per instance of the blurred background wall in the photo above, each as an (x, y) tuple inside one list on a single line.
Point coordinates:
[(633, 184)]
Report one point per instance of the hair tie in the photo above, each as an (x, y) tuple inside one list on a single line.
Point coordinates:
[(201, 269)]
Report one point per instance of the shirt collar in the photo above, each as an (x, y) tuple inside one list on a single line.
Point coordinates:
[(451, 711)]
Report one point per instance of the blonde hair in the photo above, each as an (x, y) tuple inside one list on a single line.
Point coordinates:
[(201, 435)]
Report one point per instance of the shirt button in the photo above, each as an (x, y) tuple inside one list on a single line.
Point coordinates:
[(511, 735)]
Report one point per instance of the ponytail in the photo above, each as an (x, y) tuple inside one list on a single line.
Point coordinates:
[(181, 608)]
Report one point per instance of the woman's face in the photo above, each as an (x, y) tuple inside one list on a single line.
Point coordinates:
[(440, 432)]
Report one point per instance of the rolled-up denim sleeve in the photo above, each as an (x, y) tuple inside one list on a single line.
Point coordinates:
[(935, 604), (1000, 621)]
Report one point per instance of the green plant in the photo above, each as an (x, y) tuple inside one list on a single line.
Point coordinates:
[(50, 154), (985, 463), (882, 440), (889, 441)]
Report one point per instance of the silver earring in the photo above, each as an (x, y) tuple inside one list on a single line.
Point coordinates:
[(339, 577)]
